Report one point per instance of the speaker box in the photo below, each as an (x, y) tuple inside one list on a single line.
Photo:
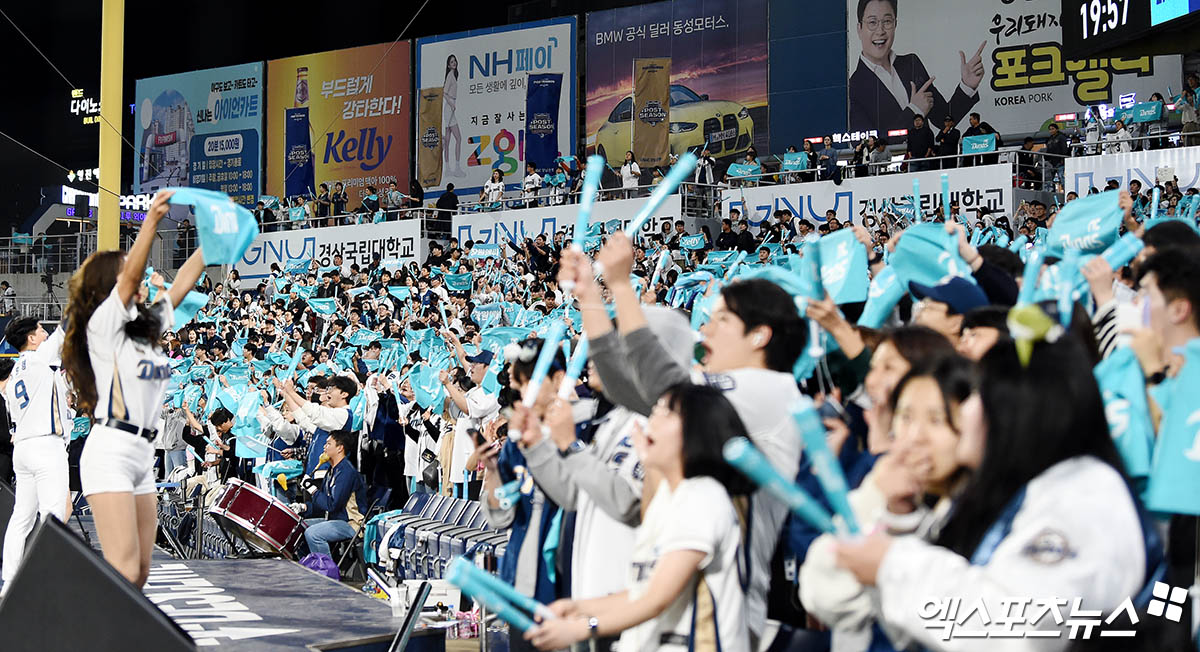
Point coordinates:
[(66, 597), (82, 207)]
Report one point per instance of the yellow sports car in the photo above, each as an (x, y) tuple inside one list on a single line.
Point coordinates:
[(695, 120)]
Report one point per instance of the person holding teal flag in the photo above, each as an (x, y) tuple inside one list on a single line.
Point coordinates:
[(844, 266), (1089, 224)]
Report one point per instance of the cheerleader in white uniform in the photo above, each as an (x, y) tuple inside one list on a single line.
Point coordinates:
[(113, 359)]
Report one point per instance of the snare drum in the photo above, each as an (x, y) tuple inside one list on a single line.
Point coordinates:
[(263, 521)]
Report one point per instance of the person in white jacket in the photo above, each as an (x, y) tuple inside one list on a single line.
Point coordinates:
[(907, 492), (1048, 515)]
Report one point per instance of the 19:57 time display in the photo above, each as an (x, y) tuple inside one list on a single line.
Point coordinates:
[(1104, 15)]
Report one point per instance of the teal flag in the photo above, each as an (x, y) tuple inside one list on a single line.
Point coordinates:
[(487, 315), (721, 257), (1123, 387), (979, 144), (246, 429), (480, 251), (885, 292), (1174, 486), (400, 292), (298, 266), (304, 291), (427, 387), (693, 242), (326, 306), (224, 228), (738, 171), (1088, 224), (844, 267), (795, 161), (928, 255), (363, 337), (458, 282), (358, 291)]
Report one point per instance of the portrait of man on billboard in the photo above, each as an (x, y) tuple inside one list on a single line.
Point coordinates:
[(887, 89)]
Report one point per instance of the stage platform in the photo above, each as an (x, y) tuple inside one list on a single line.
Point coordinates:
[(261, 604)]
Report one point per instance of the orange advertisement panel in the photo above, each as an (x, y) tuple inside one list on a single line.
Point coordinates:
[(359, 118)]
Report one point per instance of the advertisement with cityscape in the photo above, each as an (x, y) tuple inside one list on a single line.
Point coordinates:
[(202, 129), (356, 103)]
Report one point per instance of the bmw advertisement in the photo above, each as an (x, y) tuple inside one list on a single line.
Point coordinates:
[(717, 54)]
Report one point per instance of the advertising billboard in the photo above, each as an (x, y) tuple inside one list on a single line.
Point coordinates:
[(1002, 59), (202, 129), (718, 63), (356, 106), (357, 244), (483, 76)]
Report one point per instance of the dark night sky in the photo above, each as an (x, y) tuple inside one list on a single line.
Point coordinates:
[(164, 38)]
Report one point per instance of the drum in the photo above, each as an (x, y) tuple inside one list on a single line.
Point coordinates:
[(264, 522)]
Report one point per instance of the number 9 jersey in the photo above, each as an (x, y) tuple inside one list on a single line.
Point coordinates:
[(37, 395)]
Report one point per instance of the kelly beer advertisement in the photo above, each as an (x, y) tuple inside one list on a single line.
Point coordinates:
[(356, 103), (1000, 58), (481, 124), (717, 54), (202, 129)]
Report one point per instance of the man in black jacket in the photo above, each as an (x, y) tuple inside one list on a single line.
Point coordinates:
[(1058, 150), (727, 240), (947, 143), (920, 145), (980, 128), (447, 204), (745, 240)]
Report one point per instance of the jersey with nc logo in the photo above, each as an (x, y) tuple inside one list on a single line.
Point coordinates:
[(131, 376), (36, 394)]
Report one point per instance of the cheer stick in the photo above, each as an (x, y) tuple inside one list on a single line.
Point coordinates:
[(506, 494), (945, 197), (1033, 267), (741, 257), (1154, 203), (747, 459), (587, 199), (488, 599), (665, 188), (825, 466), (1191, 216), (662, 262), (574, 368), (477, 576), (916, 202), (1122, 251), (545, 358)]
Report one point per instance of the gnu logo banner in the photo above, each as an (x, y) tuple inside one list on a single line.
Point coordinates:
[(652, 113), (430, 138)]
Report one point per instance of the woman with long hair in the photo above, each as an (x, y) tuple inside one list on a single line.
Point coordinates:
[(450, 100), (113, 359), (1048, 511), (685, 579)]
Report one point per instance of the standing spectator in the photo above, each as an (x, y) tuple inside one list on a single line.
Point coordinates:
[(339, 200), (395, 200), (810, 161), (1187, 115), (370, 203), (8, 298), (1057, 149), (947, 143), (862, 153), (265, 218), (531, 185), (1157, 127), (880, 158), (447, 204), (828, 158), (920, 144), (1118, 140), (1027, 165), (980, 128), (631, 175), (705, 174), (492, 193), (323, 205), (416, 194)]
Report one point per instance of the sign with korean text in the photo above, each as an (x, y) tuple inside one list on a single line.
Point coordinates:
[(357, 244), (1003, 59), (1086, 172), (358, 103), (484, 75), (201, 129), (975, 187)]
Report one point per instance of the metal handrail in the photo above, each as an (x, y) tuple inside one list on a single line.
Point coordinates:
[(1173, 136)]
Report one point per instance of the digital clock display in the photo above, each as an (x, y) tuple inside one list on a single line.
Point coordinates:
[(1090, 26)]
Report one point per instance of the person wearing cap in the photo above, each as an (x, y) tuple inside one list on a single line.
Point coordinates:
[(947, 142), (943, 306), (472, 409)]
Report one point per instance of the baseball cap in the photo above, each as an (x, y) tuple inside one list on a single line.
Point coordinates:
[(483, 357), (959, 294)]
